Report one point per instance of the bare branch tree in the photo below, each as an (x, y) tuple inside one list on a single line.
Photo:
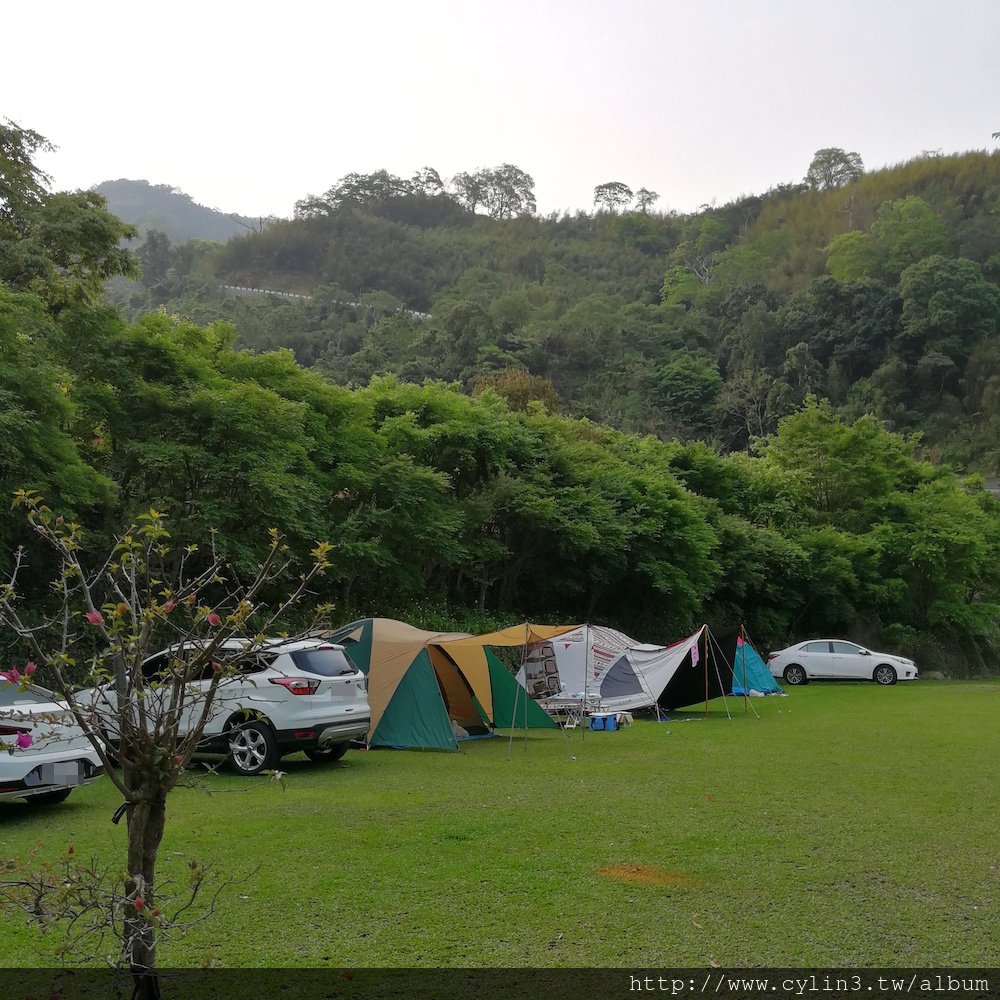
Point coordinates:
[(108, 620)]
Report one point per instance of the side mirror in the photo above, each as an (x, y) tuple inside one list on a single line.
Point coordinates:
[(865, 652)]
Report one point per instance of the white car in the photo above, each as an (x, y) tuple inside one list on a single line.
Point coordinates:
[(282, 697), (838, 659), (44, 754)]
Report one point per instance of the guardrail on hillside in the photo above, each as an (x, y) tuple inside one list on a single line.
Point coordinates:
[(243, 290)]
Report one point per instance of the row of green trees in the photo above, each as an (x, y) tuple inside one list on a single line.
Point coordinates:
[(442, 503)]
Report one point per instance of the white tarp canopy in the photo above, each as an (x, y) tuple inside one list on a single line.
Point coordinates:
[(603, 669)]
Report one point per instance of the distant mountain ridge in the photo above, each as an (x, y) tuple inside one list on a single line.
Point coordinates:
[(162, 207)]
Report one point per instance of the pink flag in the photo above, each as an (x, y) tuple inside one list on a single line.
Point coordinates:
[(694, 653)]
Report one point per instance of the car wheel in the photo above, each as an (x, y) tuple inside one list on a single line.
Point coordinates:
[(252, 748), (51, 798), (328, 753), (884, 675), (795, 675)]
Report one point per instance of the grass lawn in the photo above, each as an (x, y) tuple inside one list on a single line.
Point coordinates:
[(849, 825)]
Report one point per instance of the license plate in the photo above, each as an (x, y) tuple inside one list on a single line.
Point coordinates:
[(69, 772)]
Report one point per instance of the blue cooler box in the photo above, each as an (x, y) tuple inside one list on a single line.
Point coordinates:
[(604, 722)]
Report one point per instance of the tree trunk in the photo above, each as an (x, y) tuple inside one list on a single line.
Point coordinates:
[(146, 819)]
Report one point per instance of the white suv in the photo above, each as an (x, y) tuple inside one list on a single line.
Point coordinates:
[(283, 696)]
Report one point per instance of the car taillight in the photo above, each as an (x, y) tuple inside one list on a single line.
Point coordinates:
[(13, 730), (771, 656), (297, 685)]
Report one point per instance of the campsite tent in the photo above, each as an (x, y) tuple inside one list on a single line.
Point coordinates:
[(419, 692), (606, 670), (592, 665), (749, 671)]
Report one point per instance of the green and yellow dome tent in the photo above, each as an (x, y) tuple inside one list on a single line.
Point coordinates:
[(425, 688)]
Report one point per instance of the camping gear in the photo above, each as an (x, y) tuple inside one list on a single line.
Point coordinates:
[(751, 676), (592, 668), (419, 692)]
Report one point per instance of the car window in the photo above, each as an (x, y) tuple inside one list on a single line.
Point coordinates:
[(155, 667), (10, 695), (846, 647), (245, 666), (326, 662), (816, 647), (253, 663)]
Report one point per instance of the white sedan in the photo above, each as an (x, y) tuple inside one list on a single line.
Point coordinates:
[(834, 659), (44, 754)]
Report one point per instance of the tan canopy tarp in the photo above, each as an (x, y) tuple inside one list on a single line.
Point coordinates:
[(469, 652)]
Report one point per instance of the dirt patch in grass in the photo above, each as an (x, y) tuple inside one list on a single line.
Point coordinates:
[(646, 875)]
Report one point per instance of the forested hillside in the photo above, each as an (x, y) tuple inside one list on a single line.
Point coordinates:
[(877, 291), (769, 354)]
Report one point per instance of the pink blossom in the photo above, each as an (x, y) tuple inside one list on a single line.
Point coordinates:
[(24, 740), (95, 618), (213, 619), (29, 669), (13, 675), (217, 667), (139, 904), (169, 606)]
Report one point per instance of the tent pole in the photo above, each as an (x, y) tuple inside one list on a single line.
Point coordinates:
[(698, 643), (732, 670), (584, 721), (746, 639), (715, 663), (513, 711), (524, 663), (743, 656)]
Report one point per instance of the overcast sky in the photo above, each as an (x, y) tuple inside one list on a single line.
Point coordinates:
[(249, 106)]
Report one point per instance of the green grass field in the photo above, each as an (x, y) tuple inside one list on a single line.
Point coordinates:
[(849, 825)]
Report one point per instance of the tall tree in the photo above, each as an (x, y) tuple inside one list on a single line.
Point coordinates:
[(63, 246), (468, 189), (612, 195), (22, 184), (832, 168), (155, 257), (644, 199), (427, 181), (507, 191)]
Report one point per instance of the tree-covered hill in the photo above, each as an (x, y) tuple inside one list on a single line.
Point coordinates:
[(161, 207), (478, 465), (877, 291)]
